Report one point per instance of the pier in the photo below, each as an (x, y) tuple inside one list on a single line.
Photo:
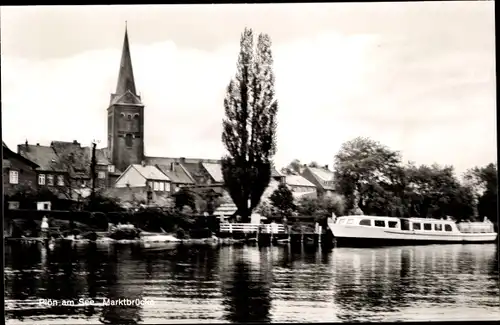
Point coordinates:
[(271, 234)]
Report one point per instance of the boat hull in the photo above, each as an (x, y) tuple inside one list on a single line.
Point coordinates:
[(370, 236), (375, 242)]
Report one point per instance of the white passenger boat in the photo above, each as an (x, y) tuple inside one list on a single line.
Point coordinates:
[(361, 230)]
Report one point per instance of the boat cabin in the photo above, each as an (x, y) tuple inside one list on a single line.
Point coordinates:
[(408, 224)]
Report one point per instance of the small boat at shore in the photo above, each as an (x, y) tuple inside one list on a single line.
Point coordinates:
[(361, 230)]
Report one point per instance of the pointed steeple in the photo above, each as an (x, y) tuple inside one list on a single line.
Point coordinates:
[(126, 76)]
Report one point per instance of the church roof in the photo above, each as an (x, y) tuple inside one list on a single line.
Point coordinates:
[(125, 88)]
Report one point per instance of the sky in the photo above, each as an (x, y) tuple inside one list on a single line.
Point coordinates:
[(418, 77)]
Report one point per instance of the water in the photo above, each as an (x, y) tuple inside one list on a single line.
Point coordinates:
[(239, 284)]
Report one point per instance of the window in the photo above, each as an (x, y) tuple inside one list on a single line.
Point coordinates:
[(427, 226), (156, 186), (150, 184), (111, 168), (447, 228), (416, 226), (393, 224), (405, 224), (350, 221), (438, 227), (60, 180), (14, 177), (167, 186), (379, 223), (341, 221), (101, 174), (41, 179), (128, 140), (129, 117), (162, 186), (365, 222), (50, 180)]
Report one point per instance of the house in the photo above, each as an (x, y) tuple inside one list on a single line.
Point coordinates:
[(178, 175), (144, 176), (64, 167), (133, 196), (18, 171), (300, 186), (321, 177)]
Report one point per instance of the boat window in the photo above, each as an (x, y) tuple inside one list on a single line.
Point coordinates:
[(379, 223), (350, 221), (427, 226), (416, 226), (405, 224), (393, 224), (447, 228), (365, 222), (341, 221), (438, 227)]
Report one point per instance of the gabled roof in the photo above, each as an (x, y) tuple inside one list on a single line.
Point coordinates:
[(176, 173), (7, 151), (150, 172), (323, 175), (297, 180), (44, 156), (215, 171)]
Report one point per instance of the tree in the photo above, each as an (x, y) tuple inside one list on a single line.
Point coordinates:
[(366, 171), (282, 200), (483, 182), (321, 207), (184, 197), (249, 126), (313, 164)]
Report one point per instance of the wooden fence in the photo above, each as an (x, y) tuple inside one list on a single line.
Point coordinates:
[(251, 228)]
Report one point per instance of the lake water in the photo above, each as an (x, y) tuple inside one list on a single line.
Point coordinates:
[(238, 284)]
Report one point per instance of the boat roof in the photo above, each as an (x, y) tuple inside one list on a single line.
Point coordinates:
[(395, 218)]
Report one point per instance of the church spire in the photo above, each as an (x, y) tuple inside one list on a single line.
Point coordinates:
[(126, 76)]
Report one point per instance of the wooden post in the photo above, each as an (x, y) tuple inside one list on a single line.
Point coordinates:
[(302, 234), (319, 234)]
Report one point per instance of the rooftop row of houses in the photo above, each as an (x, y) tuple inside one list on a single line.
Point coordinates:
[(65, 167)]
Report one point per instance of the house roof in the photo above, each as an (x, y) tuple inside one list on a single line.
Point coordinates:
[(215, 171), (7, 150), (297, 180), (323, 175), (150, 172), (176, 173), (44, 156)]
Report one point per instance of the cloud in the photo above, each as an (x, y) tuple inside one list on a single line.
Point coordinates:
[(424, 91)]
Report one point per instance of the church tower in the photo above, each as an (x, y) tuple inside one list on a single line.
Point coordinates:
[(126, 117)]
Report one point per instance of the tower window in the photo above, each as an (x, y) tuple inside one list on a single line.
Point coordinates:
[(128, 140), (129, 117), (136, 116)]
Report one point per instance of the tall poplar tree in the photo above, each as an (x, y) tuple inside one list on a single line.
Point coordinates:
[(249, 126)]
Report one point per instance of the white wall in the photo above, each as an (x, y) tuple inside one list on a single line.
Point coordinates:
[(132, 177)]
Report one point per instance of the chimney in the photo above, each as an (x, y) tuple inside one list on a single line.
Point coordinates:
[(183, 160), (326, 166), (143, 163), (172, 166), (26, 143), (38, 145)]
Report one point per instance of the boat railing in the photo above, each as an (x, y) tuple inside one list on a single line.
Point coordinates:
[(475, 227)]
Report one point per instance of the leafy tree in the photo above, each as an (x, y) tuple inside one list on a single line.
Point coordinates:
[(367, 168), (282, 200), (249, 126), (313, 164), (184, 197), (483, 182), (102, 203), (321, 207)]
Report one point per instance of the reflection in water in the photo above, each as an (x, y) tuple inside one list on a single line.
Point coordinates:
[(259, 284)]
